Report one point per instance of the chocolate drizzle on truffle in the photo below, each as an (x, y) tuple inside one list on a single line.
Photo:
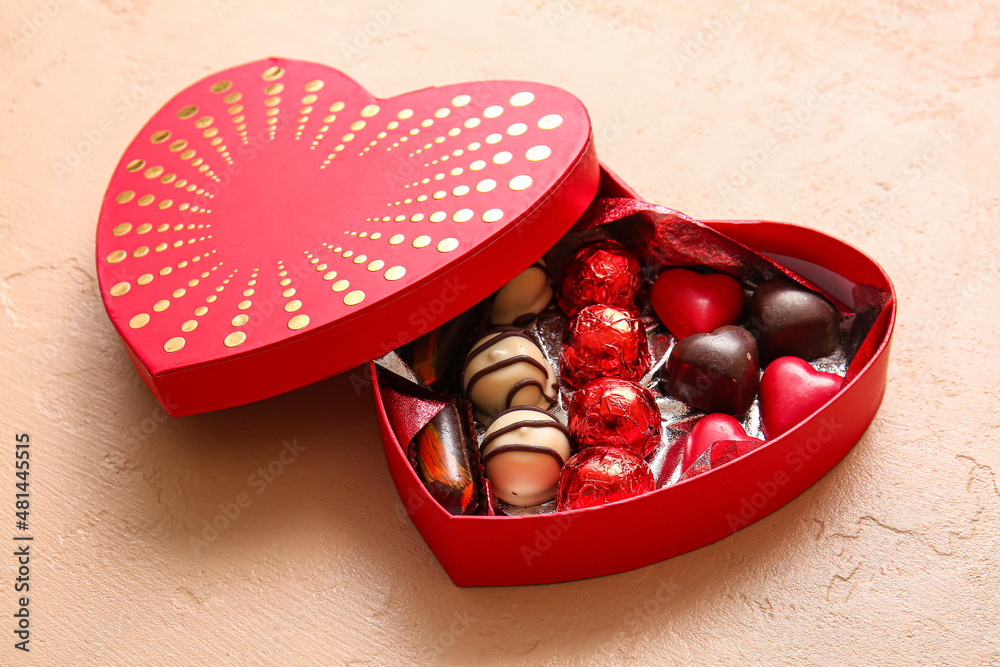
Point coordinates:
[(547, 393)]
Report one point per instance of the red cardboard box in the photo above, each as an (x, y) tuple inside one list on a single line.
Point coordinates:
[(275, 224)]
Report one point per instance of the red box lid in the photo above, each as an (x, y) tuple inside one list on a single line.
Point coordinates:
[(275, 224)]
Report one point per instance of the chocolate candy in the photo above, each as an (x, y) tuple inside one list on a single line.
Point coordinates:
[(716, 372), (601, 475), (436, 357), (523, 452), (689, 303), (601, 272), (615, 412), (603, 341), (790, 320), (709, 430), (443, 452), (519, 301), (505, 370), (790, 391)]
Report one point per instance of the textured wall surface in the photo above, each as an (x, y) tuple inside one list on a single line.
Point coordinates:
[(874, 121)]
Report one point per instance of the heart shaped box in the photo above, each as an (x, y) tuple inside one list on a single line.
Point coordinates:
[(217, 306)]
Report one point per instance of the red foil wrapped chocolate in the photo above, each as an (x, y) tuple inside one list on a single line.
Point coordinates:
[(615, 412), (601, 272), (603, 341), (601, 475)]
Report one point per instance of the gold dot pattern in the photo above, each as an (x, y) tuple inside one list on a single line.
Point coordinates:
[(470, 150)]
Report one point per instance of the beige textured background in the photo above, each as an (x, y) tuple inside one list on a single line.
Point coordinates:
[(874, 121)]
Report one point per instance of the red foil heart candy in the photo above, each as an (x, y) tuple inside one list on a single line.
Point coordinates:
[(709, 430), (601, 475), (601, 342), (615, 412), (601, 272), (790, 391), (689, 303)]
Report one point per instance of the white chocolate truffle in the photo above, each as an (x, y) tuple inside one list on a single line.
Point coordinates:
[(506, 370), (519, 301), (523, 453)]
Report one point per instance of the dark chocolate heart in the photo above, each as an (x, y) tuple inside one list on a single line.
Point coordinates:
[(792, 321), (716, 372)]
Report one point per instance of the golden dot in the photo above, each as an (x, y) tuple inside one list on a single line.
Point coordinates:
[(272, 73), (286, 281), (144, 228), (232, 98), (203, 122), (551, 121), (478, 165), (503, 157), (160, 137), (146, 200), (354, 298), (139, 321), (329, 275), (369, 111), (135, 165), (160, 247), (442, 113), (235, 339), (298, 322), (340, 286), (536, 153), (347, 253), (240, 320), (288, 292), (426, 123), (360, 259), (200, 310), (357, 125), (347, 137), (396, 239), (486, 185), (421, 241), (376, 265), (248, 292), (145, 279), (416, 217), (460, 100), (161, 305), (457, 171), (440, 194), (438, 216), (447, 245), (235, 109), (308, 99), (179, 292), (462, 215), (472, 122), (394, 273), (313, 86), (122, 229), (120, 288), (492, 215), (517, 129), (521, 99), (178, 145), (190, 325), (402, 115), (244, 304), (221, 86), (190, 153), (174, 344), (116, 256), (193, 282), (292, 306), (274, 89), (475, 146), (187, 112), (321, 267), (493, 111), (521, 182), (398, 218), (494, 138), (125, 196)]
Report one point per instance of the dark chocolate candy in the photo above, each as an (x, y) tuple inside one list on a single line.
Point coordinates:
[(789, 320), (437, 356), (716, 372), (446, 459)]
